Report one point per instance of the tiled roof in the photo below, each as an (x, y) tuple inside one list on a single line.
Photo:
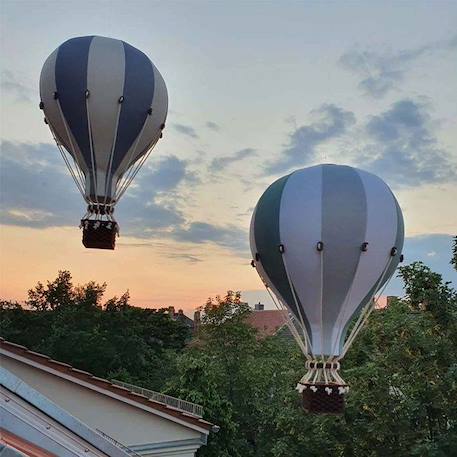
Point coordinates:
[(101, 383), (267, 322)]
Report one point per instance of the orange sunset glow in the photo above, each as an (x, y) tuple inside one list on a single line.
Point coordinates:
[(151, 276)]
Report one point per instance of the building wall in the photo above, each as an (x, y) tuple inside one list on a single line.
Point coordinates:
[(125, 423)]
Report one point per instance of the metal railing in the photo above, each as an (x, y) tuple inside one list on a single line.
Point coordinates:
[(173, 402), (116, 443)]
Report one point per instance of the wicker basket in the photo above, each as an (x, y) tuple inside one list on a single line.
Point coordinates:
[(99, 234), (323, 398)]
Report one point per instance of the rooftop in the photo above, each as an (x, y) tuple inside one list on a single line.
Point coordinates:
[(183, 410), (267, 322)]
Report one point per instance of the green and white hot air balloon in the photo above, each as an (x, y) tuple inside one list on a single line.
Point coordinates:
[(325, 240)]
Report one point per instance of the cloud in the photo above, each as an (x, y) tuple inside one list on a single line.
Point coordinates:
[(213, 126), (11, 85), (37, 191), (404, 148), (166, 250), (187, 257), (230, 237), (161, 175), (186, 130), (399, 144), (330, 122), (381, 71), (221, 162)]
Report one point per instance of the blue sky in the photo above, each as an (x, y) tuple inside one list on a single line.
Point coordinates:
[(256, 89)]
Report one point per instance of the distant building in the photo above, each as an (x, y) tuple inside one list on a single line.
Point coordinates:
[(268, 322), (50, 409), (181, 317), (385, 301)]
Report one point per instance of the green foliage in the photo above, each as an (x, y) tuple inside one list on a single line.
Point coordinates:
[(114, 340), (402, 369)]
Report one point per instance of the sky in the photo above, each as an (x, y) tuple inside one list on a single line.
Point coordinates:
[(256, 90)]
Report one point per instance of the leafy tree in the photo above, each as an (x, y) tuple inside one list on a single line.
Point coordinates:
[(57, 293), (112, 339), (402, 371)]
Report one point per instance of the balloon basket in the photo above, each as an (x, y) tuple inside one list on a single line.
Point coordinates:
[(323, 398), (99, 234)]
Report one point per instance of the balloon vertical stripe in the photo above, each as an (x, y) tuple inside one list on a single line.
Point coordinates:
[(138, 93), (71, 83), (105, 82), (381, 212), (267, 239), (344, 219)]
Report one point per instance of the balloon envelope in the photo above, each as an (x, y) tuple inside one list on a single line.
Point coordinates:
[(106, 103), (321, 218)]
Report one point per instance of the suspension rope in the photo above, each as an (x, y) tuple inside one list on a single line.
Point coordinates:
[(69, 136), (131, 174), (67, 162), (341, 319), (136, 168), (370, 306), (81, 175), (289, 323)]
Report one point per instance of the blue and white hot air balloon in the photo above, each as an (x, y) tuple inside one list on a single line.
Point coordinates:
[(106, 105), (324, 240)]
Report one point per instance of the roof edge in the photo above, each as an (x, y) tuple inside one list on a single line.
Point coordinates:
[(75, 375)]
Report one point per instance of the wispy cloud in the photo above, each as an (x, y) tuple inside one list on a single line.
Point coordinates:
[(381, 71), (402, 145), (175, 251), (213, 126), (230, 237), (10, 84), (220, 163), (186, 257), (37, 192), (164, 174), (330, 122), (186, 130)]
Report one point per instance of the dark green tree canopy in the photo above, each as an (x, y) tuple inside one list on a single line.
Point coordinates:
[(110, 339)]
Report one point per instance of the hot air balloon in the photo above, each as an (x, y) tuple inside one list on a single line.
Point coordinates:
[(105, 103), (325, 240)]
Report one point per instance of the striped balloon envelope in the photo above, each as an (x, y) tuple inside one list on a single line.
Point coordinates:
[(106, 104), (325, 239)]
